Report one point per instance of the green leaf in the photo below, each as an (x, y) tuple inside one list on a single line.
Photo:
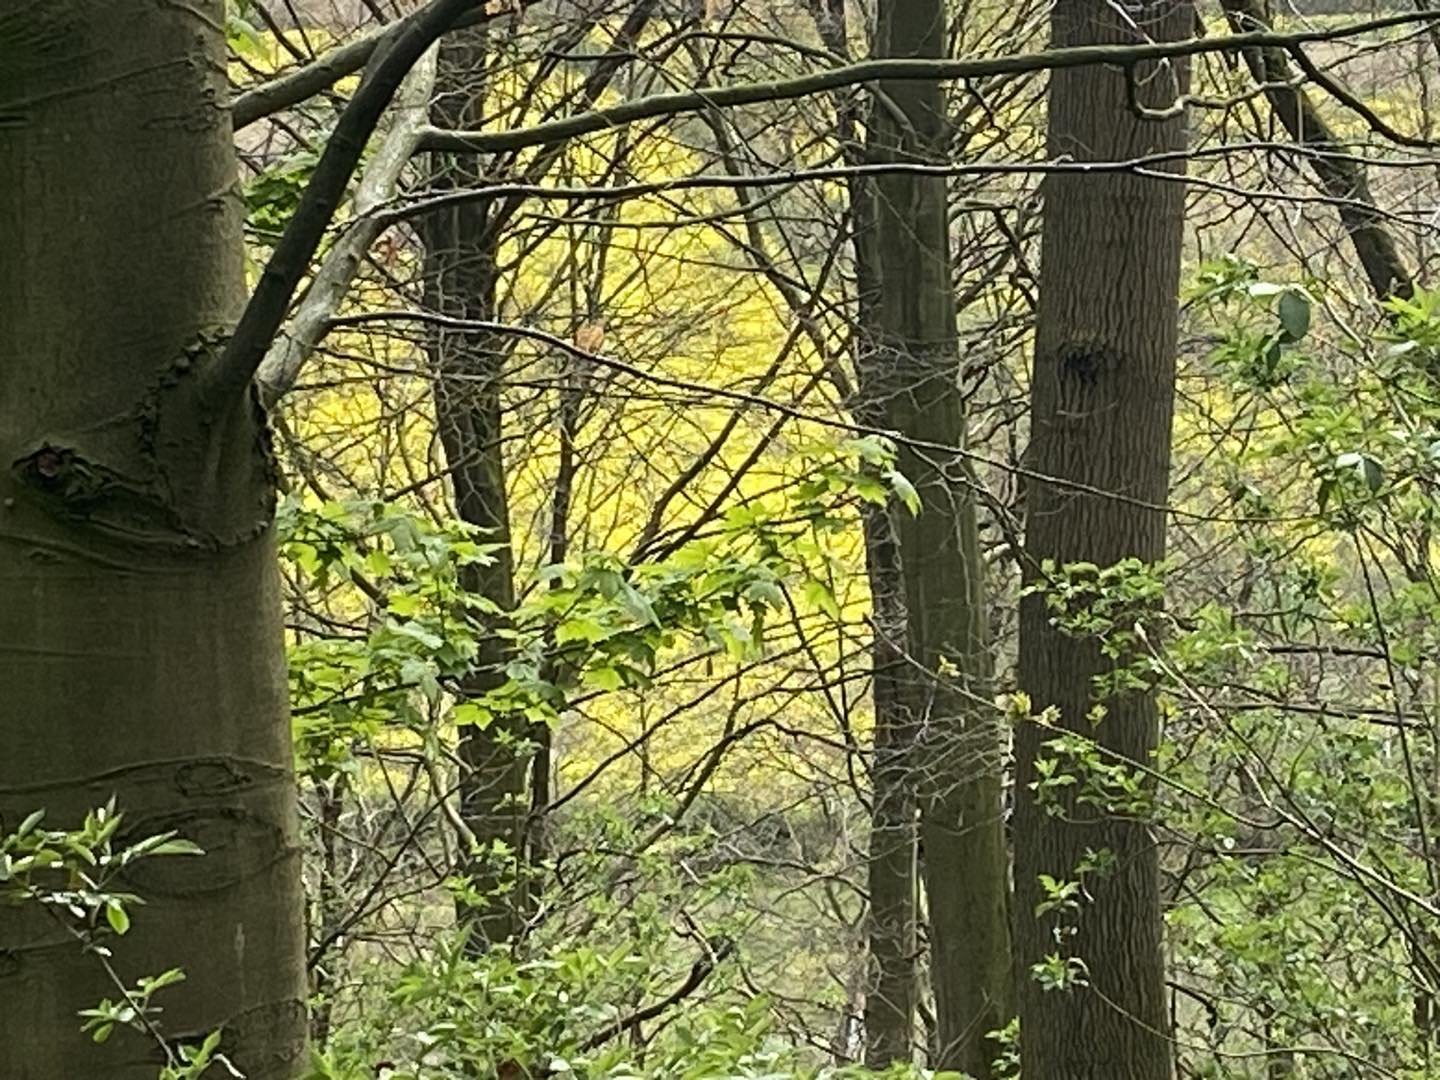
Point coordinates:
[(1294, 311), (1272, 357), (765, 593), (177, 846), (1366, 467), (580, 628), (636, 605), (819, 595), (418, 633), (152, 983), (904, 491), (471, 714), (871, 449), (117, 917), (871, 489), (604, 678)]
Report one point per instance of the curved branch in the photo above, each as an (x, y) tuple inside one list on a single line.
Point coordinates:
[(699, 972), (291, 349), (1340, 178), (296, 86), (263, 315), (689, 101)]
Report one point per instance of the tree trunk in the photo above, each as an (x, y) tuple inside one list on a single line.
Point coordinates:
[(1102, 402), (140, 632), (461, 274), (889, 987), (1340, 176), (890, 864), (909, 373), (461, 280)]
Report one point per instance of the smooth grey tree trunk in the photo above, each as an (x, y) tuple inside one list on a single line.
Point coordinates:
[(140, 633)]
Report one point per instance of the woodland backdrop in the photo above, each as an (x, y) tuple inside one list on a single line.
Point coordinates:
[(719, 538)]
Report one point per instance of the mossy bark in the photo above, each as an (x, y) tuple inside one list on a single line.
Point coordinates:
[(140, 633)]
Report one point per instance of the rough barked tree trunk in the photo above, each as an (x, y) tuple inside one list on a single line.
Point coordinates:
[(1102, 402), (889, 986), (140, 633), (944, 723), (461, 279)]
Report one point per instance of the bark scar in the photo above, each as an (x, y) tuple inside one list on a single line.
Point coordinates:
[(178, 471)]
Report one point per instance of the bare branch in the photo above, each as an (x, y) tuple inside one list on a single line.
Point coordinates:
[(1344, 180), (282, 364), (699, 971), (266, 310), (303, 83), (1146, 164), (689, 101), (795, 412)]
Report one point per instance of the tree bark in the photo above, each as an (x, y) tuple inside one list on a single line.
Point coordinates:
[(890, 864), (909, 374), (461, 279), (310, 320), (1101, 409), (140, 633)]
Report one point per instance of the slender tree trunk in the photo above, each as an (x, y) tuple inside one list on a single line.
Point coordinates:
[(328, 905), (461, 279), (890, 866), (504, 759), (1102, 402), (140, 632), (1340, 176), (572, 396), (909, 374)]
